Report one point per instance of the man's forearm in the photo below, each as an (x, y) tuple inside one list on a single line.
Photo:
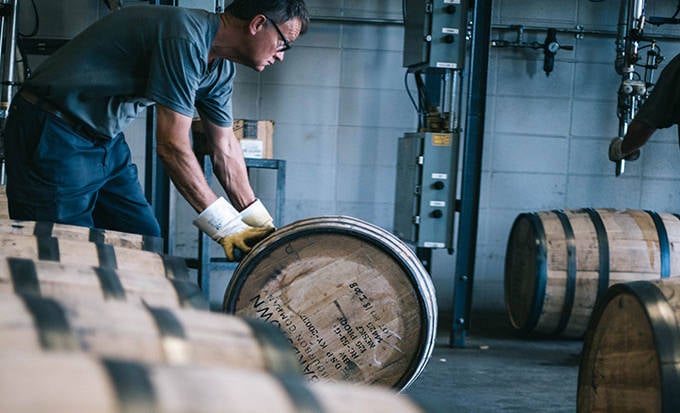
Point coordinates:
[(187, 176), (230, 168), (174, 149)]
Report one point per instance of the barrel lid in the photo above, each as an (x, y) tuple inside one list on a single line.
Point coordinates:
[(525, 272), (633, 325)]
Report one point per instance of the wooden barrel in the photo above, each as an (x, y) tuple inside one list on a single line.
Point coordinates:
[(89, 253), (631, 352), (78, 233), (75, 382), (79, 282), (355, 301), (141, 332), (559, 263)]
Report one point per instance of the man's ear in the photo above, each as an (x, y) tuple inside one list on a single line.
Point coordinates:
[(257, 23)]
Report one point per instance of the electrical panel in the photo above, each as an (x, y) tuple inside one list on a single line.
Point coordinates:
[(434, 33), (426, 189)]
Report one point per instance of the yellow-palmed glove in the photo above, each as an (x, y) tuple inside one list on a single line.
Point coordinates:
[(244, 240), (232, 230)]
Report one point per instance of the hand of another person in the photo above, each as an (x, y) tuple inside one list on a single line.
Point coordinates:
[(615, 153), (233, 230)]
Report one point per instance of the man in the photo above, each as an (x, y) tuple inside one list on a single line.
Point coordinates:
[(661, 110), (67, 159)]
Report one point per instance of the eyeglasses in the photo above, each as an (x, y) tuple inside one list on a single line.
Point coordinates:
[(286, 45)]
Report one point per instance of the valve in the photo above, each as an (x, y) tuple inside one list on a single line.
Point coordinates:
[(550, 46)]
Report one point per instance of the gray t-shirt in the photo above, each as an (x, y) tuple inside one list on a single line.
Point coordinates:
[(662, 107), (133, 58)]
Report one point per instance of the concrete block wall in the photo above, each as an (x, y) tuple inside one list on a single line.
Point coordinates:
[(547, 136), (339, 104)]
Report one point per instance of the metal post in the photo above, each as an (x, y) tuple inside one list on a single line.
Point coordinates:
[(472, 165), (8, 20), (157, 183), (9, 56)]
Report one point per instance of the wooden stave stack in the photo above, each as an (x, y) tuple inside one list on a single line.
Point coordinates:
[(336, 396), (545, 301)]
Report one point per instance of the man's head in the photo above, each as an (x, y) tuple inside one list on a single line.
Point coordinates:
[(272, 26)]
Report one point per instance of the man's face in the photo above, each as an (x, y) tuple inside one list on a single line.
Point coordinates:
[(270, 44)]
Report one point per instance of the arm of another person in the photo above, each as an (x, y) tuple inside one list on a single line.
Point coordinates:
[(637, 135), (628, 147)]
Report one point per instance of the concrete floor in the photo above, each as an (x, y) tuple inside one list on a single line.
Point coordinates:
[(498, 372)]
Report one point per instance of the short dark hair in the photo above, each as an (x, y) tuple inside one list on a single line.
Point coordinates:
[(278, 10)]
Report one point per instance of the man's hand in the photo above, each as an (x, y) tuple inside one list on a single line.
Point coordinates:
[(233, 230), (616, 154)]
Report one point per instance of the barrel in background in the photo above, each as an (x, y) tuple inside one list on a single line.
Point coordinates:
[(355, 301), (559, 263), (631, 350)]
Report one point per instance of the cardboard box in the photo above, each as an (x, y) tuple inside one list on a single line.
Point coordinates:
[(256, 137)]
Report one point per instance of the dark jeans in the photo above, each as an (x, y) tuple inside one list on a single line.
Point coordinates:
[(55, 174)]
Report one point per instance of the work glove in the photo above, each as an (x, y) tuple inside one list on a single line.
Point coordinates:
[(616, 155), (232, 230)]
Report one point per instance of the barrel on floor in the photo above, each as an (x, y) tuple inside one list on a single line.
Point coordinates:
[(631, 350), (355, 301), (560, 263)]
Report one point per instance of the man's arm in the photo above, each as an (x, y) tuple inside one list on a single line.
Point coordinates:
[(229, 166), (628, 147), (637, 135), (174, 149), (217, 218)]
